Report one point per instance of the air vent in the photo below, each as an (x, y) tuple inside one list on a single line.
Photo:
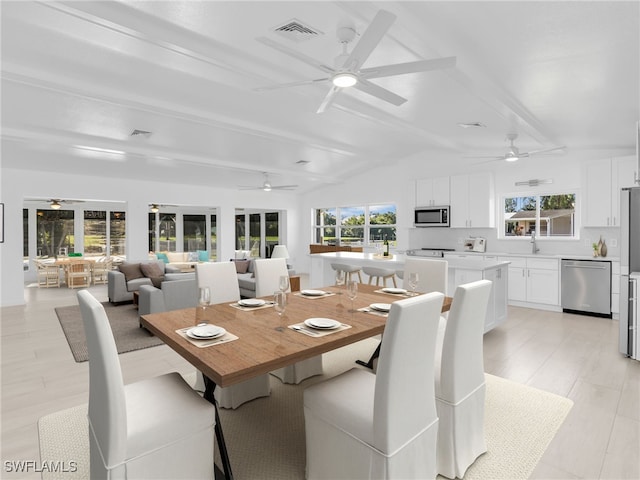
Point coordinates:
[(302, 162), (472, 125), (297, 31), (140, 134)]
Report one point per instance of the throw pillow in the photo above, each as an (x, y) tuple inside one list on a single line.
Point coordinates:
[(151, 269), (157, 281), (163, 257), (241, 266), (193, 257), (131, 271), (203, 256)]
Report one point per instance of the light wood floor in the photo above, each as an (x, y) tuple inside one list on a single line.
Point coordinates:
[(571, 355)]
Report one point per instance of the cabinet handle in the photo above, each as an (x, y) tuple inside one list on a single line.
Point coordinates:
[(614, 221)]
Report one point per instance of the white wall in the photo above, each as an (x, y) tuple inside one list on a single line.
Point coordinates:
[(138, 194)]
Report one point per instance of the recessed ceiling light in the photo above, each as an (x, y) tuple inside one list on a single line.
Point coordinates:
[(302, 162)]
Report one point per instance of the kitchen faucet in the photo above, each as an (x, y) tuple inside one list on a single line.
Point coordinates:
[(534, 247)]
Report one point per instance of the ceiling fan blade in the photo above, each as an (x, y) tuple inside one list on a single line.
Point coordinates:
[(295, 54), (247, 187), (291, 84), (379, 92), (409, 67), (284, 187), (328, 99), (370, 39), (545, 150)]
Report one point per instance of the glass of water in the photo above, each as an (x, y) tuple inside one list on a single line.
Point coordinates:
[(284, 283), (280, 302), (413, 282), (352, 291)]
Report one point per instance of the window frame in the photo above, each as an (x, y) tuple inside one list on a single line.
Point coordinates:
[(538, 195), (367, 226)]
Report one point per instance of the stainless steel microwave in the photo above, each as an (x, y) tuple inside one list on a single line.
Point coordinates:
[(431, 216)]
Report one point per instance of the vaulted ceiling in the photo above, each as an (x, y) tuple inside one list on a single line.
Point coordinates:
[(78, 78)]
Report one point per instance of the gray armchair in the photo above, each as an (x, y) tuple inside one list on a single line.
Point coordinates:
[(172, 295), (120, 289)]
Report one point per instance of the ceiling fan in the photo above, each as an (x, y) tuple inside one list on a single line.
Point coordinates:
[(348, 71), (513, 153), (266, 186), (54, 203)]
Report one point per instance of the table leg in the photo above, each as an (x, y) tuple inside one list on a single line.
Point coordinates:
[(209, 388), (369, 363)]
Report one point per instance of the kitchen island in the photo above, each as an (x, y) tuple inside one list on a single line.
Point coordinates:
[(461, 270)]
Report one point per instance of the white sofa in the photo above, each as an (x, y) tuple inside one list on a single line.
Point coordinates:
[(120, 286)]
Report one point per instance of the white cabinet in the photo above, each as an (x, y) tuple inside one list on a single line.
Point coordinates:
[(472, 201), (432, 192), (497, 308), (533, 280), (605, 178)]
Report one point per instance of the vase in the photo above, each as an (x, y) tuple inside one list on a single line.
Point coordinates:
[(599, 248), (603, 249)]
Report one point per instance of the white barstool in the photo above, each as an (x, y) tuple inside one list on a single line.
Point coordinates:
[(348, 270), (380, 273)]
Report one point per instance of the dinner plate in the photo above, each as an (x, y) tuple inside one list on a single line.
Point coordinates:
[(394, 290), (381, 307), (322, 323), (313, 293), (251, 302), (205, 332)]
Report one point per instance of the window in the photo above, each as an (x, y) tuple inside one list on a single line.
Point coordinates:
[(547, 215), (95, 232), (213, 251), (264, 232), (117, 234), (365, 225), (55, 233), (193, 237)]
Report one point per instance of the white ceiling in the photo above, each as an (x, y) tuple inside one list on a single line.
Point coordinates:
[(79, 77)]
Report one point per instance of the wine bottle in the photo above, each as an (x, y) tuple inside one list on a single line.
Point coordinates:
[(386, 247)]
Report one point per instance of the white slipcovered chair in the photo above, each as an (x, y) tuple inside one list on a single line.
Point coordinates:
[(383, 426), (459, 380), (222, 280), (433, 274), (155, 428), (268, 272)]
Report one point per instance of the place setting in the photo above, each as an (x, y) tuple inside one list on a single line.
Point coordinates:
[(380, 309), (314, 294), (319, 327), (247, 304), (206, 334)]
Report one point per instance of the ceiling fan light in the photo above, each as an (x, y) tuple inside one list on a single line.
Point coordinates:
[(55, 205), (511, 158), (344, 80), (267, 187), (154, 208)]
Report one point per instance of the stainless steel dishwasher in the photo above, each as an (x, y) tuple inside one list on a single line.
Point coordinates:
[(586, 287)]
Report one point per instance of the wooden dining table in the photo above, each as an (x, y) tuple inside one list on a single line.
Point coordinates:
[(265, 341)]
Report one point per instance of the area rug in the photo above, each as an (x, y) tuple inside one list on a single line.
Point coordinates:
[(265, 437), (124, 324)]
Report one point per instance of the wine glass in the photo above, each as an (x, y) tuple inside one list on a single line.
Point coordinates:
[(204, 300), (284, 283), (352, 291), (280, 302), (340, 276), (413, 282)]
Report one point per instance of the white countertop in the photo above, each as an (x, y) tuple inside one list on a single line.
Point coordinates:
[(397, 260), (539, 255)]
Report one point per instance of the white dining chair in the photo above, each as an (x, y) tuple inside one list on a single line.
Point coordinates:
[(383, 426), (460, 381), (433, 274), (222, 280), (268, 272), (154, 428)]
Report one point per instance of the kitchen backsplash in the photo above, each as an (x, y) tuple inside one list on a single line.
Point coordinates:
[(454, 238)]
